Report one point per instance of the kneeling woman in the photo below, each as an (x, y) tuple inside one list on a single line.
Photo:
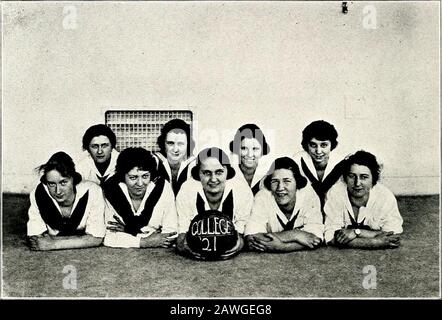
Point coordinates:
[(361, 212), (286, 215), (249, 146), (140, 205), (175, 159), (65, 213), (319, 161)]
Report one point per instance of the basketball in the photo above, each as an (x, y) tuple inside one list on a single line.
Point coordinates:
[(211, 234)]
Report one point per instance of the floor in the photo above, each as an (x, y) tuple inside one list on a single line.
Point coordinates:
[(410, 271)]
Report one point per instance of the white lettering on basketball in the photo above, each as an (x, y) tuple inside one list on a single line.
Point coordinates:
[(203, 227)]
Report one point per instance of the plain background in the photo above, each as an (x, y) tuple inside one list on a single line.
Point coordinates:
[(280, 65)]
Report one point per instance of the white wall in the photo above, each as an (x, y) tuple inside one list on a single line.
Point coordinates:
[(280, 65)]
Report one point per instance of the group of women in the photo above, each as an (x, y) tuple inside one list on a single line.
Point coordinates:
[(136, 198)]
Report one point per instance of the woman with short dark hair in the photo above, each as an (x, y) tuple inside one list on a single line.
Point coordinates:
[(141, 210), (65, 213), (319, 162), (286, 215), (249, 145), (360, 211), (175, 159), (212, 188), (100, 157)]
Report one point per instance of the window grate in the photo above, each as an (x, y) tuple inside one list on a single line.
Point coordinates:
[(141, 128)]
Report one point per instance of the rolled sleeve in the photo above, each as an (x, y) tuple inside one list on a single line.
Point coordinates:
[(315, 228), (168, 213), (392, 220), (95, 224), (313, 217), (35, 225), (333, 215), (244, 209), (185, 208), (121, 240), (257, 222), (118, 239)]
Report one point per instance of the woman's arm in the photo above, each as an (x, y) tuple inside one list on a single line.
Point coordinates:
[(301, 237), (346, 238), (270, 242), (243, 207), (183, 248), (158, 240), (236, 249), (384, 241), (46, 242), (289, 247), (35, 225)]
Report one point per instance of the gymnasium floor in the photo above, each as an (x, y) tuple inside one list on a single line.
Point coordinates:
[(410, 271)]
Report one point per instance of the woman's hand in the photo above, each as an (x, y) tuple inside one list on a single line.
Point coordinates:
[(156, 239), (40, 243), (117, 225), (237, 248), (344, 236), (388, 240), (308, 239), (272, 243), (257, 241), (183, 248)]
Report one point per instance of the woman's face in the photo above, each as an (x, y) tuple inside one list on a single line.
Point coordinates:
[(61, 188), (283, 187), (319, 151), (100, 149), (250, 152), (176, 146), (213, 175), (137, 181), (359, 181)]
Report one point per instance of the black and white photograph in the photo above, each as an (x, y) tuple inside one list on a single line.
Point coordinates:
[(190, 150)]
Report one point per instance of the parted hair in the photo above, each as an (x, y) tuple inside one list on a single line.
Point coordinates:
[(61, 162), (320, 130), (176, 124), (289, 164), (135, 158), (98, 130), (363, 158), (212, 153), (249, 130)]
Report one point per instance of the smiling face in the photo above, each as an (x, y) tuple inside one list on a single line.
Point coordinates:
[(137, 181), (283, 188), (61, 188), (319, 151), (213, 176), (100, 149), (176, 146), (250, 152), (359, 181)]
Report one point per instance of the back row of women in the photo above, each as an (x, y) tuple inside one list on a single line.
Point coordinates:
[(139, 199)]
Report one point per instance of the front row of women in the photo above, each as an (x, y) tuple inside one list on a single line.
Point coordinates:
[(136, 207)]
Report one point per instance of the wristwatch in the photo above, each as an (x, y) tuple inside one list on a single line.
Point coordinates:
[(357, 232)]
